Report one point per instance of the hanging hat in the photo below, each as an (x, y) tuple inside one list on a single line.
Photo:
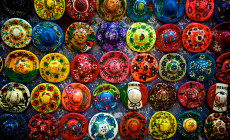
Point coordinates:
[(169, 11), (21, 66), (199, 10), (162, 96), (133, 126), (49, 9), (218, 97), (222, 9), (189, 125), (196, 37), (15, 97), (16, 33), (144, 67), (76, 97), (139, 10), (111, 10), (191, 94), (221, 38), (47, 36), (168, 38), (13, 126), (114, 66), (162, 125), (140, 37), (216, 126), (42, 126), (106, 97), (134, 95), (45, 98), (80, 10), (80, 37), (73, 126), (223, 68), (201, 67), (84, 68), (111, 36), (172, 67), (54, 67), (1, 64), (103, 126)]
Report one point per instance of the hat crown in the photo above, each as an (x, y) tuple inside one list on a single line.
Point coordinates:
[(103, 128), (77, 96), (106, 97), (190, 125), (192, 94), (164, 125), (219, 128), (115, 66), (170, 7), (135, 95), (54, 67), (140, 6), (45, 98), (23, 66), (80, 5), (201, 66), (172, 66), (48, 36), (111, 35), (111, 5), (14, 96), (10, 127), (221, 97), (50, 4), (133, 125)]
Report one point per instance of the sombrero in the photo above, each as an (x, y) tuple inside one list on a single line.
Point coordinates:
[(80, 10), (191, 94), (49, 9), (16, 33), (134, 95), (222, 10), (114, 66), (162, 96), (103, 126), (80, 37), (15, 97), (54, 67), (1, 64), (84, 68), (201, 67), (45, 98), (21, 66), (223, 68), (144, 67), (76, 97), (111, 36), (73, 126), (47, 36)]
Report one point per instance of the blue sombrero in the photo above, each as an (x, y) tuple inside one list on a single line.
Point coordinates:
[(47, 36), (169, 11), (222, 10)]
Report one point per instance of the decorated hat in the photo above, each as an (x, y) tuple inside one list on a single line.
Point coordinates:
[(21, 66), (16, 33), (49, 9), (133, 126), (45, 97), (139, 10), (169, 11), (111, 10), (168, 38), (84, 68), (47, 36), (172, 67), (103, 126), (199, 10), (15, 97), (42, 126), (1, 64), (114, 66), (223, 68), (218, 96), (144, 67), (80, 37), (73, 126), (80, 10), (162, 125), (221, 38), (222, 10), (140, 37), (106, 97), (201, 67), (76, 97), (189, 124), (54, 67), (216, 126), (134, 95), (13, 126), (111, 36), (162, 96), (191, 94), (196, 37)]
